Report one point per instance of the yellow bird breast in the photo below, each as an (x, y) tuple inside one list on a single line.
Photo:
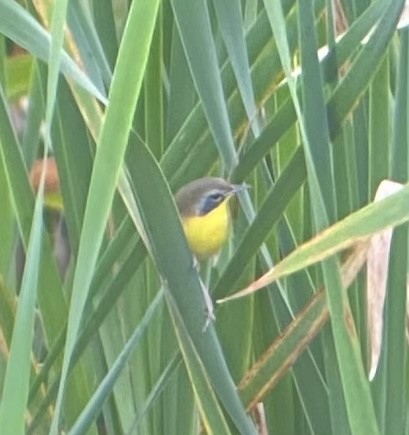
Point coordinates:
[(206, 234)]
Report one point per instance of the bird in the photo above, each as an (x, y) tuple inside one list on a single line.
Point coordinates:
[(204, 211), (53, 217), (52, 192)]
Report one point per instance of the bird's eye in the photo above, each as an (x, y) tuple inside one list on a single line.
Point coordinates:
[(216, 197), (211, 202)]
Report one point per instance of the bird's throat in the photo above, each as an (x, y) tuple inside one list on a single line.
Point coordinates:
[(206, 234)]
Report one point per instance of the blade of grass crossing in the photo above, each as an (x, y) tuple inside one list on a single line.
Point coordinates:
[(355, 385), (317, 147), (94, 406), (182, 94), (124, 94), (18, 25), (54, 60), (229, 16), (396, 358), (195, 30), (379, 133), (354, 84), (322, 205), (268, 214), (17, 378), (321, 176), (342, 97), (51, 299), (50, 291), (6, 236), (154, 122), (105, 26), (85, 34), (35, 112), (161, 383), (212, 416), (396, 392)]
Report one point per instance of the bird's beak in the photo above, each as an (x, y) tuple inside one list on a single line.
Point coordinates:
[(240, 188)]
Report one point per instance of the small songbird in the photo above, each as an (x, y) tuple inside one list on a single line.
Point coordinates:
[(52, 193), (204, 210), (203, 207), (54, 216)]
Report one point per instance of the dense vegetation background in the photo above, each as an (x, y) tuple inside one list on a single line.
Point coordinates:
[(306, 101)]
